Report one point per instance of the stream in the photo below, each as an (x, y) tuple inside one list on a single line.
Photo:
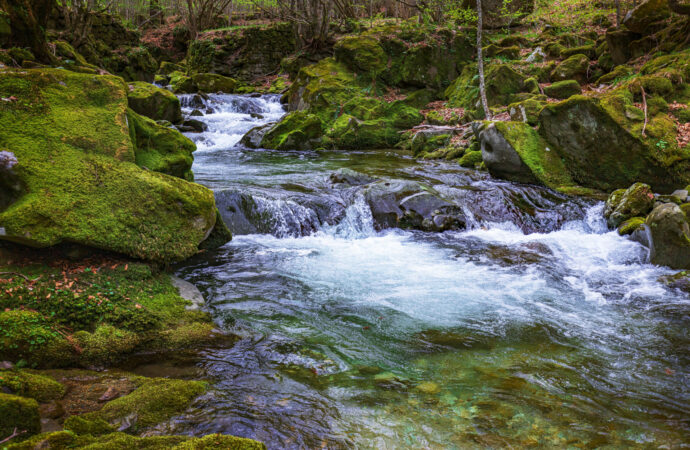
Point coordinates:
[(528, 323)]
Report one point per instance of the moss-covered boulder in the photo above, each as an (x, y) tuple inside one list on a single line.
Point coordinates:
[(70, 136), (503, 82), (242, 53), (211, 82), (573, 68), (297, 131), (160, 148), (153, 402), (361, 54), (670, 235), (180, 83), (631, 225), (515, 151), (645, 14), (527, 110), (31, 385), (601, 142), (154, 102), (18, 414), (563, 89), (636, 201)]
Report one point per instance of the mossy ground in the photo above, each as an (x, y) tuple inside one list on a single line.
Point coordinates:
[(92, 312)]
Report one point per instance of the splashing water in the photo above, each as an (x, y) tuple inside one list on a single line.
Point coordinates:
[(494, 336)]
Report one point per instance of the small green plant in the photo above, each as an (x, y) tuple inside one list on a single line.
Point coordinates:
[(661, 145)]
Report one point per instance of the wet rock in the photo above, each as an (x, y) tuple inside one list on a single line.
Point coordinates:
[(631, 226), (514, 151), (194, 126), (428, 388), (189, 292), (670, 234), (350, 177), (296, 131), (254, 136), (196, 101), (636, 201), (406, 204), (681, 281), (196, 113)]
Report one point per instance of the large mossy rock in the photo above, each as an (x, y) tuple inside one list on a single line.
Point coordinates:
[(159, 148), (70, 136), (361, 54), (154, 102), (573, 68), (18, 414), (600, 140), (645, 14), (297, 131), (502, 13), (503, 83), (242, 53), (563, 89), (514, 151), (212, 82), (670, 233), (625, 204)]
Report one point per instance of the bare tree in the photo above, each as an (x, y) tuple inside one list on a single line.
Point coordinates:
[(480, 62), (201, 14)]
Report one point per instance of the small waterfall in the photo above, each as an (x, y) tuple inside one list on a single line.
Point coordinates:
[(358, 221)]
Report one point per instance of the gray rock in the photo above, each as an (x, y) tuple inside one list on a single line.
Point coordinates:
[(196, 126), (350, 177), (670, 237), (254, 136), (682, 195), (636, 201), (11, 187), (501, 159), (188, 292), (537, 55)]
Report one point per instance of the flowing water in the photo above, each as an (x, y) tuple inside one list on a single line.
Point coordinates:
[(530, 326)]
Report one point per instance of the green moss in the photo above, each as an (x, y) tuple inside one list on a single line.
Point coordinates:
[(65, 51), (297, 131), (573, 68), (544, 163), (155, 401), (166, 68), (32, 385), (29, 336), (587, 50), (18, 413), (526, 111), (56, 440), (211, 82), (619, 73), (112, 312), (502, 84), (160, 148), (471, 159), (153, 102), (221, 442), (563, 89), (92, 427), (182, 84), (70, 130), (362, 54), (436, 117)]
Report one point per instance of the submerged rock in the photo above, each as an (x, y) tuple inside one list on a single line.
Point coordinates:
[(670, 235)]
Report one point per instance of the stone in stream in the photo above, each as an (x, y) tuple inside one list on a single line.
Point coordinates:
[(194, 125), (636, 201), (154, 102), (190, 292), (407, 204), (350, 177), (254, 136), (670, 235)]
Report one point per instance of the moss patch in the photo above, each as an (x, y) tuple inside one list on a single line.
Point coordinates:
[(70, 135), (154, 102), (18, 413)]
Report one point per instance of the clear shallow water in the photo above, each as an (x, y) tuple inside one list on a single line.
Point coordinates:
[(496, 336)]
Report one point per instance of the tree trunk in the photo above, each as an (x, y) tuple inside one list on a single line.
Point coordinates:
[(480, 62), (28, 19), (618, 13)]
